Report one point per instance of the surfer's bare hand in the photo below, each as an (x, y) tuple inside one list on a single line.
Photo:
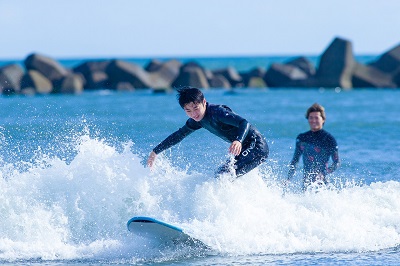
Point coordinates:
[(151, 159), (235, 148)]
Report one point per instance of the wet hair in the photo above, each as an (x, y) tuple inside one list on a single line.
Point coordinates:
[(189, 94), (316, 108)]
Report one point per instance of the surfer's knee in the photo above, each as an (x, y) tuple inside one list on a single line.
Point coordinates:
[(225, 169)]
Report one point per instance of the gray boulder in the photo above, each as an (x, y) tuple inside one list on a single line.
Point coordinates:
[(191, 76), (164, 74), (124, 86), (219, 81), (153, 65), (304, 64), (10, 78), (71, 84), (94, 74), (230, 74), (252, 78), (194, 64), (256, 82), (396, 79), (96, 80), (283, 75), (336, 65), (389, 62), (47, 66), (37, 81), (122, 71), (370, 77)]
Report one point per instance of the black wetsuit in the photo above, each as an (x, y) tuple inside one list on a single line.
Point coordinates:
[(223, 122), (316, 148)]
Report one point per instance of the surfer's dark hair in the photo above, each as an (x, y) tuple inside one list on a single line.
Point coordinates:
[(189, 94), (316, 107)]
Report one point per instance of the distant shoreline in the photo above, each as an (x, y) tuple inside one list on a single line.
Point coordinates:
[(336, 67), (218, 61)]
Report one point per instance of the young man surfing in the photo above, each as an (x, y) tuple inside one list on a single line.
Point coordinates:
[(246, 142)]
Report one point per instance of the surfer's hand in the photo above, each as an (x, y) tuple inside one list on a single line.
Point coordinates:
[(235, 148), (151, 159)]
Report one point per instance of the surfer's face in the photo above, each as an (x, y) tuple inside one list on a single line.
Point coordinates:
[(196, 111), (315, 121)]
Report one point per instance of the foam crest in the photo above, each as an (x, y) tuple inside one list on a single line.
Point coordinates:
[(247, 217), (58, 209)]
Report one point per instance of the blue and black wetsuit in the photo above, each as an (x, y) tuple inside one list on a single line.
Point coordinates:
[(224, 123), (316, 147)]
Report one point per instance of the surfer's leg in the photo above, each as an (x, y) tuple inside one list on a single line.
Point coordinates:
[(226, 168), (240, 166), (247, 164), (251, 157)]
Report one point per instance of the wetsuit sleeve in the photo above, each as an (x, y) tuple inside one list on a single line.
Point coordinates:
[(295, 159), (233, 119), (176, 137), (243, 130), (335, 157)]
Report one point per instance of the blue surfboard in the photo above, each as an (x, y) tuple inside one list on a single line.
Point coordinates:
[(160, 231)]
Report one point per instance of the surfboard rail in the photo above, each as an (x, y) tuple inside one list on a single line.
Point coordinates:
[(154, 229)]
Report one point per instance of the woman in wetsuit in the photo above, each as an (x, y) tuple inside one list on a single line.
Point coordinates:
[(246, 142)]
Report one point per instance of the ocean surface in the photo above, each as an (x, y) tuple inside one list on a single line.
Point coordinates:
[(73, 173)]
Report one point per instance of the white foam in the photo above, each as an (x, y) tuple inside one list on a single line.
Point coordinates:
[(79, 209)]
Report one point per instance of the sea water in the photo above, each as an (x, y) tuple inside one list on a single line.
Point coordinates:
[(73, 173)]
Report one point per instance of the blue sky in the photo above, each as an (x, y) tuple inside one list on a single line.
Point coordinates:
[(168, 28)]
